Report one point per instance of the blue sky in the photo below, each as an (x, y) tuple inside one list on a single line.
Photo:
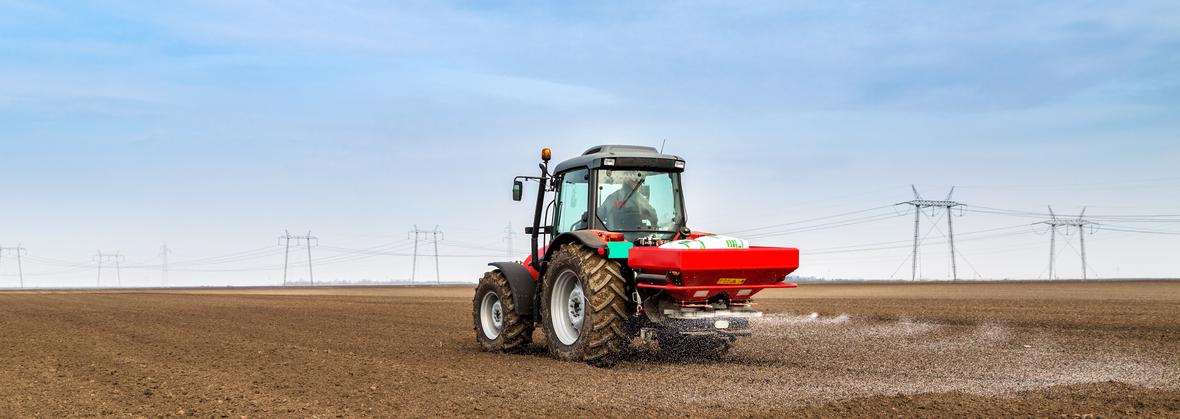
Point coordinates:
[(215, 125)]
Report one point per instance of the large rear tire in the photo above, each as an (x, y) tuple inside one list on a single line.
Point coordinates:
[(584, 307), (497, 326)]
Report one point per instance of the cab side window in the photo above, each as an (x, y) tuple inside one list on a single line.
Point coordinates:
[(573, 195)]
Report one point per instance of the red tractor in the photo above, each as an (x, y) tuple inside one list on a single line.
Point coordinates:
[(619, 262)]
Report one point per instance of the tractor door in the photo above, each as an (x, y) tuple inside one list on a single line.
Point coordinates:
[(573, 201)]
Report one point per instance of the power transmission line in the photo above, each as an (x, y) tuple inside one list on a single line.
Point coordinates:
[(918, 203), (823, 226), (263, 252), (18, 250), (1135, 230), (897, 244), (350, 255), (806, 221), (354, 254), (1138, 218)]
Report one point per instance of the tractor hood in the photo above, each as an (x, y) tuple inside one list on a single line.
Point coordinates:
[(623, 156)]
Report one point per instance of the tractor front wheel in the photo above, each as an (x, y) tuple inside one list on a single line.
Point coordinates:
[(497, 326), (584, 307)]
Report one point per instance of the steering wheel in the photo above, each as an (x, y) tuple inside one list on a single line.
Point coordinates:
[(576, 223), (651, 222)]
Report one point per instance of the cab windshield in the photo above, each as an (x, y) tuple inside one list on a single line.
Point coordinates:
[(639, 201)]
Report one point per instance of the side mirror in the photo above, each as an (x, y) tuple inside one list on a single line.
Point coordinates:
[(517, 190)]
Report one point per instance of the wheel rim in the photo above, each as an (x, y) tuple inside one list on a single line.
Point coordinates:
[(491, 315), (568, 307)]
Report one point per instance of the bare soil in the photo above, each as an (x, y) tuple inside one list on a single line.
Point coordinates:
[(984, 349)]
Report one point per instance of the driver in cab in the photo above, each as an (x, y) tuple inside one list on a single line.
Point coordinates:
[(627, 208)]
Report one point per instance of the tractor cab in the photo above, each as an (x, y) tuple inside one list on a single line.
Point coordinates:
[(631, 190)]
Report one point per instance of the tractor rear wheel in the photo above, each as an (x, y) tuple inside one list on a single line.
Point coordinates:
[(584, 307), (497, 326)]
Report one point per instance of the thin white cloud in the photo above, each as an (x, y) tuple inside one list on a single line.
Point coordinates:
[(522, 90), (57, 92)]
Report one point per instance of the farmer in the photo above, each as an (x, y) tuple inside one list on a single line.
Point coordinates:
[(627, 208)]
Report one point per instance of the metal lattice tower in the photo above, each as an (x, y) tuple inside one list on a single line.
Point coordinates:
[(18, 250), (435, 234), (164, 264), (918, 203), (432, 235), (508, 239), (116, 257), (285, 241), (1053, 222)]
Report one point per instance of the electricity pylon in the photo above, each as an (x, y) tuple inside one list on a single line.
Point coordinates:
[(918, 203), (116, 257), (433, 235), (18, 250), (508, 239), (285, 241), (1053, 222)]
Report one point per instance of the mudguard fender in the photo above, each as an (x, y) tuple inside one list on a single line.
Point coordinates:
[(588, 238), (522, 283)]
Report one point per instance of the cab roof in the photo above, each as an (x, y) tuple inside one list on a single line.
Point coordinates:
[(625, 157)]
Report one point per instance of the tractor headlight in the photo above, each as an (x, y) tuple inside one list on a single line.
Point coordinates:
[(679, 165), (608, 162)]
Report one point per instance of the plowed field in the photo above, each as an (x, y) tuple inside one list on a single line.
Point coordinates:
[(991, 349)]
